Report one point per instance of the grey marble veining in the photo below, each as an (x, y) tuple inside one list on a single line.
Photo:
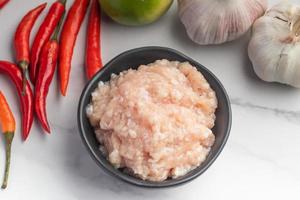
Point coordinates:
[(293, 116)]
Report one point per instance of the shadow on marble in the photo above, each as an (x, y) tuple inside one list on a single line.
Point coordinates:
[(89, 175)]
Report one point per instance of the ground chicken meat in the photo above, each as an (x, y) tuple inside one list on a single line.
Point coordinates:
[(155, 121)]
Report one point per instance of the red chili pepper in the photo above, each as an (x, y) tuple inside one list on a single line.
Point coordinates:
[(3, 3), (93, 45), (43, 35), (14, 73), (22, 36), (68, 39), (8, 124), (48, 62)]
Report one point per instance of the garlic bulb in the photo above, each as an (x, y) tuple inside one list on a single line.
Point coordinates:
[(219, 21), (274, 48)]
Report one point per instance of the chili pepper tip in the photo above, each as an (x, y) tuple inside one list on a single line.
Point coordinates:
[(4, 186)]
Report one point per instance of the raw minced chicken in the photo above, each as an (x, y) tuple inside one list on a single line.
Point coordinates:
[(155, 121)]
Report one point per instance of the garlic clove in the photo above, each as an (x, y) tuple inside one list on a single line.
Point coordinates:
[(274, 48), (215, 21)]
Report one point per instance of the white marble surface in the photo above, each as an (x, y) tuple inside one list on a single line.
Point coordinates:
[(260, 160)]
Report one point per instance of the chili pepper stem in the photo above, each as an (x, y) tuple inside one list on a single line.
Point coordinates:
[(57, 29), (8, 140), (24, 66), (43, 35), (63, 1), (13, 72)]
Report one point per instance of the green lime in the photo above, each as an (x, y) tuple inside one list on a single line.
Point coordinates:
[(135, 12)]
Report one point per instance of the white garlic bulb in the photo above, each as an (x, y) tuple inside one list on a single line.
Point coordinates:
[(274, 48), (219, 21)]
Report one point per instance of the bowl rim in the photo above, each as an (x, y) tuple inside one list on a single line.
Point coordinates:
[(128, 179)]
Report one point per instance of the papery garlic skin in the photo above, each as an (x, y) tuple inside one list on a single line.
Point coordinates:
[(274, 49), (219, 21)]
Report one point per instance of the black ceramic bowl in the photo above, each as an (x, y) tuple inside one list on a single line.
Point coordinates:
[(132, 59)]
